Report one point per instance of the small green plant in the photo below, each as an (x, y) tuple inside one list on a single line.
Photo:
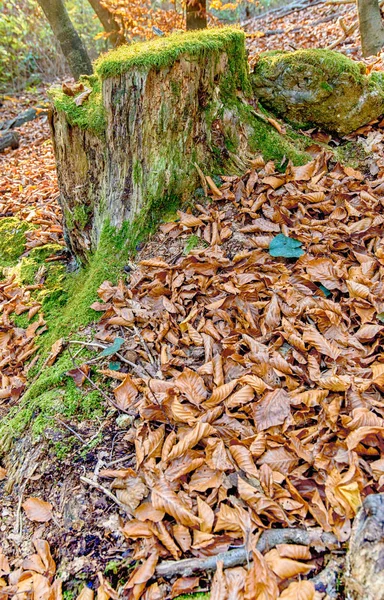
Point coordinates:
[(193, 242)]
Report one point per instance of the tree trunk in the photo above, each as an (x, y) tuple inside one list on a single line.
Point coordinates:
[(70, 42), (109, 23), (196, 14), (371, 27)]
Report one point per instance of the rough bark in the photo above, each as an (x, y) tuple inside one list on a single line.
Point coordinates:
[(364, 576), (69, 40), (10, 139), (196, 14), (109, 23), (371, 27)]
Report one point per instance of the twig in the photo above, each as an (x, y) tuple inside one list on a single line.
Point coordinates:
[(140, 370), (268, 539), (82, 440), (101, 488), (145, 345)]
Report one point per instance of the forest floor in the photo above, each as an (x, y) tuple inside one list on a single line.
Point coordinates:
[(202, 350)]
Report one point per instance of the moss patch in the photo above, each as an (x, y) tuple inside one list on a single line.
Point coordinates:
[(12, 240), (89, 115), (331, 63), (164, 51), (52, 394)]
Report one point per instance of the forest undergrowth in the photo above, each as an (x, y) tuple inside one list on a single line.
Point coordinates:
[(231, 386)]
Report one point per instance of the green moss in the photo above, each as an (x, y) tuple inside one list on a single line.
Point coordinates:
[(267, 140), (90, 115), (164, 51), (331, 63), (81, 214), (52, 394), (194, 241), (326, 86), (137, 172), (12, 240)]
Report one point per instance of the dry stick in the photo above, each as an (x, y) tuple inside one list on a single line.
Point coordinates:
[(82, 440), (101, 488), (346, 35), (268, 539)]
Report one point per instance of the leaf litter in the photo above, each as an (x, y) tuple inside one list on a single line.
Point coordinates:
[(262, 405)]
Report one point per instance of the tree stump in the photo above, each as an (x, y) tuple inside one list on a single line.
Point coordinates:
[(364, 576), (128, 152)]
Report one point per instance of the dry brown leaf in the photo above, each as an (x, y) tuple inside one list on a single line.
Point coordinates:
[(192, 386), (125, 393), (37, 510), (285, 568), (165, 499), (191, 439), (299, 590)]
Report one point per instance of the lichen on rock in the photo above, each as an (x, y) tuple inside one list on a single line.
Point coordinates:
[(318, 87)]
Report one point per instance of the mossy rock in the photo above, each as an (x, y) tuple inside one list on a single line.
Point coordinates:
[(12, 240), (318, 87)]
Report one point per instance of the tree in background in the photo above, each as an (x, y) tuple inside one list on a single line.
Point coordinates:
[(109, 22), (196, 14), (371, 27), (71, 45)]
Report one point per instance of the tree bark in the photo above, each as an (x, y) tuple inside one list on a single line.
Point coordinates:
[(371, 27), (109, 23), (364, 573), (196, 14), (69, 40)]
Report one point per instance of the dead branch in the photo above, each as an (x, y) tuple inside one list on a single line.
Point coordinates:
[(10, 139), (268, 539), (105, 491)]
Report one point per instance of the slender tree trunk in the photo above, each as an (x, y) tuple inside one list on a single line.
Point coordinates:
[(196, 14), (109, 23), (69, 40), (371, 27)]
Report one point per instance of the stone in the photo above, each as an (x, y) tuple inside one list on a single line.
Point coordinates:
[(318, 87)]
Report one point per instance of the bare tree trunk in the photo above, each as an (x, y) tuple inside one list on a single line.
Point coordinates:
[(371, 27), (196, 14), (70, 42), (109, 23)]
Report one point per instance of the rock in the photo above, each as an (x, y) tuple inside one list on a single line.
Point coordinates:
[(318, 87)]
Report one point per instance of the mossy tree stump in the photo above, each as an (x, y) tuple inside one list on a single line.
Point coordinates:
[(156, 109)]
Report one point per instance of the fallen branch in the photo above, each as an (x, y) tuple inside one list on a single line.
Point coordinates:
[(9, 140), (105, 491), (28, 115), (268, 539)]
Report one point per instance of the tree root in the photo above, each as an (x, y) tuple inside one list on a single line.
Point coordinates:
[(268, 539)]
